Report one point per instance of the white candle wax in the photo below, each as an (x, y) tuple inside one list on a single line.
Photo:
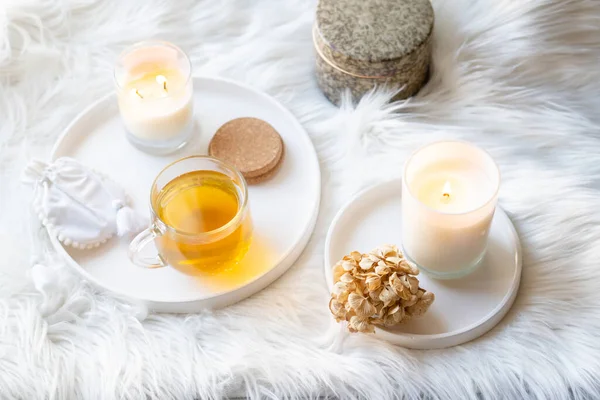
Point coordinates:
[(449, 198), (156, 106), (154, 89)]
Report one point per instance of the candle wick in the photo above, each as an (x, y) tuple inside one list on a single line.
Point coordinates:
[(163, 80), (139, 94), (446, 197)]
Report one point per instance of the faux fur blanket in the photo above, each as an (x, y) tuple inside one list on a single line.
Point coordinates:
[(519, 78)]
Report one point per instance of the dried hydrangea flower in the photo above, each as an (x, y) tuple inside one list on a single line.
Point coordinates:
[(378, 288)]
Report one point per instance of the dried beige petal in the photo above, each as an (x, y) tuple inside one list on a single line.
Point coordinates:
[(365, 264), (399, 287), (387, 296), (361, 305), (373, 257), (395, 315), (356, 256), (348, 308), (408, 268), (410, 282), (355, 300), (338, 271), (417, 310), (347, 278), (337, 308), (374, 295), (373, 283), (394, 309), (379, 270), (427, 298), (359, 276), (395, 261), (405, 294), (413, 284), (396, 283), (412, 300), (404, 281), (368, 310), (388, 250), (348, 266), (422, 305), (393, 319), (339, 288), (357, 324), (361, 287), (343, 296), (379, 308)]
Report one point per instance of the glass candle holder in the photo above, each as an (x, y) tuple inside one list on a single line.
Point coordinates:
[(450, 191), (155, 93)]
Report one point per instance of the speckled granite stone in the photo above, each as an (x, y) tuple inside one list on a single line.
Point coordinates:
[(365, 43)]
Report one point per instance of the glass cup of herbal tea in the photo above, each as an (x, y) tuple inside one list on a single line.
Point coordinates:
[(200, 217)]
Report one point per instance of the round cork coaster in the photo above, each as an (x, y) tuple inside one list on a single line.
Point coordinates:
[(267, 175), (252, 145)]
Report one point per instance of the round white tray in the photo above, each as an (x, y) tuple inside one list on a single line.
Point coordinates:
[(465, 308), (284, 209)]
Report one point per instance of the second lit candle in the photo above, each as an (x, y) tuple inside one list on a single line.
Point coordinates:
[(449, 198)]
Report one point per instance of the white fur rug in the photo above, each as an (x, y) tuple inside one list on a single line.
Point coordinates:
[(519, 78)]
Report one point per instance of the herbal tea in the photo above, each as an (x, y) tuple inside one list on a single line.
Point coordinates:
[(198, 205)]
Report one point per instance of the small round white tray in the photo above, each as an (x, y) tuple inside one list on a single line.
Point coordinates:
[(284, 209), (465, 308)]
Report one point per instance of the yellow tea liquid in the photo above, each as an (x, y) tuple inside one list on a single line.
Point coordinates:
[(197, 204)]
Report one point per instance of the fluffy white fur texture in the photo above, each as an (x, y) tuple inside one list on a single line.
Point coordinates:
[(518, 77)]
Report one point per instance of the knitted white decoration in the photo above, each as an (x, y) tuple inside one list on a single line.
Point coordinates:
[(81, 207)]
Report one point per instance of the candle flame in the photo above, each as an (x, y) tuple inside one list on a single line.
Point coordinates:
[(162, 80), (447, 190)]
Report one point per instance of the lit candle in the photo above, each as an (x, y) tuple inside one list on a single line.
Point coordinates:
[(449, 198), (154, 89)]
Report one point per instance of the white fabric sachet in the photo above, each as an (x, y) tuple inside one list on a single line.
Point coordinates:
[(79, 206)]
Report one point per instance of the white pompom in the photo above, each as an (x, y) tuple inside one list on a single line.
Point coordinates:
[(44, 278), (128, 220)]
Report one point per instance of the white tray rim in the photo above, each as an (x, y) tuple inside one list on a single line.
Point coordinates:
[(491, 319), (277, 271)]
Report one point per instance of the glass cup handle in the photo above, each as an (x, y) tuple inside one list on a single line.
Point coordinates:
[(138, 243)]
